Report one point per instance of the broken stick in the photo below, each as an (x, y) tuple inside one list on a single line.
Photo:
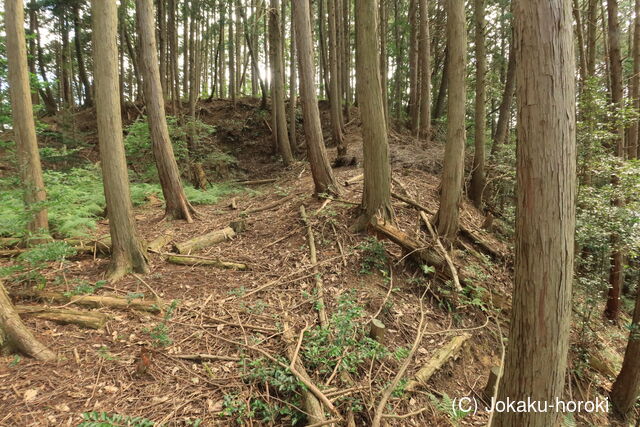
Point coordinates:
[(442, 356), (212, 262), (205, 241), (92, 301)]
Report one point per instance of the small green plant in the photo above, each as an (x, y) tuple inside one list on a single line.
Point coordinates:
[(105, 419), (236, 408), (15, 361), (85, 288), (281, 381), (160, 333), (30, 263), (105, 354), (342, 342), (446, 406), (374, 256)]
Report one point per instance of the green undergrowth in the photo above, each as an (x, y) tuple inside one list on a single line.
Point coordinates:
[(75, 201)]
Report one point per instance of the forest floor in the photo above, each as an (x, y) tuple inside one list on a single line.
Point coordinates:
[(238, 316)]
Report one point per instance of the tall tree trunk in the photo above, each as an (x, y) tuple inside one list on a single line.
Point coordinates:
[(322, 42), (232, 61), (251, 40), (414, 87), (323, 179), (626, 388), (127, 252), (185, 49), (24, 129), (477, 175), (438, 108), (172, 35), (399, 64), (292, 83), (632, 142), (47, 94), (446, 218), (346, 48), (334, 87), (377, 171), (424, 119), (162, 45), (82, 73), (582, 56), (384, 60), (616, 272), (65, 61), (221, 65), (536, 357), (504, 111), (277, 96), (177, 205), (33, 53), (592, 26)]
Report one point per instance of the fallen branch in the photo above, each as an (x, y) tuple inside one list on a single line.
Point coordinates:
[(213, 262), (405, 365), (63, 316), (416, 250), (256, 181), (443, 252), (92, 301), (205, 241), (311, 402), (464, 230), (159, 242), (353, 180), (205, 357), (272, 205), (14, 333), (322, 313), (449, 351)]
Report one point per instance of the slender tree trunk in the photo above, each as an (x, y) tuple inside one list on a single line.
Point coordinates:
[(632, 142), (177, 205), (221, 54), (277, 97), (162, 46), (504, 111), (582, 56), (33, 54), (616, 272), (438, 109), (414, 87), (384, 60), (323, 179), (82, 73), (251, 40), (292, 84), (127, 252), (174, 81), (626, 388), (377, 171), (185, 48), (322, 41), (424, 120), (536, 357), (47, 94), (592, 26), (334, 88), (232, 61), (478, 175), (446, 218), (65, 62), (24, 129)]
